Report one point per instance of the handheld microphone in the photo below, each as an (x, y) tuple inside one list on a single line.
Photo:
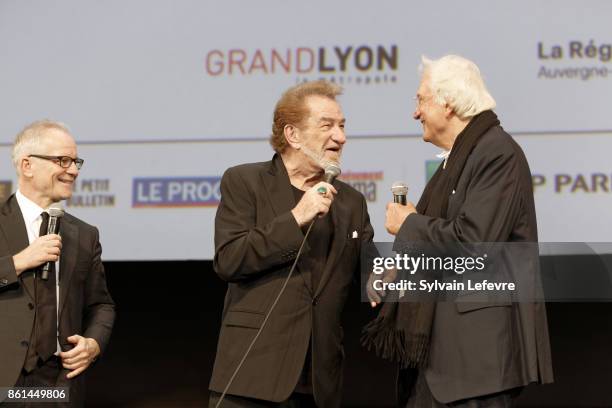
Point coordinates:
[(400, 191), (332, 171), (56, 211)]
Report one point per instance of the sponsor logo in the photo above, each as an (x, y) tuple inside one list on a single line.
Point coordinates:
[(574, 60), (176, 192), (364, 182), (563, 183), (6, 187), (347, 64), (91, 193), (430, 168)]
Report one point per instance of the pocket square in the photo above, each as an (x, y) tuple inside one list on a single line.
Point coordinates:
[(355, 234)]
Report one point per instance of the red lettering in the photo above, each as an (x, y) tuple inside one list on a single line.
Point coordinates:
[(286, 64), (236, 57), (258, 63), (300, 67), (214, 66)]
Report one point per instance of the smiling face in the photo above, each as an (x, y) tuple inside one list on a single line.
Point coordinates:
[(433, 117), (322, 133), (45, 181)]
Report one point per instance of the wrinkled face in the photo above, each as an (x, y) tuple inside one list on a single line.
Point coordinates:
[(432, 115), (322, 133), (47, 181)]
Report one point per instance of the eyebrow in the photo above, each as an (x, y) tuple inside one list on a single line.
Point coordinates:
[(326, 119)]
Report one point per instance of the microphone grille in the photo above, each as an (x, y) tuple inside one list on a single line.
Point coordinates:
[(399, 188), (332, 171), (56, 210)]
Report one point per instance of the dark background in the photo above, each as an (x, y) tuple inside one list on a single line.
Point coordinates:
[(168, 317)]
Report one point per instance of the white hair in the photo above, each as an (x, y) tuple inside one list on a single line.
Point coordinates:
[(456, 81), (29, 140)]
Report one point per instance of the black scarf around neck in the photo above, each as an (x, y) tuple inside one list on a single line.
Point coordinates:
[(401, 331)]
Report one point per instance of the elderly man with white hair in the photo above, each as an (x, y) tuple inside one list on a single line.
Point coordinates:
[(470, 354)]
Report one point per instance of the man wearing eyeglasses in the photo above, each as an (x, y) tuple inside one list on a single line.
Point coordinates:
[(51, 329)]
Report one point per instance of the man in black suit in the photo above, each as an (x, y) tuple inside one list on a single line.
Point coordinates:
[(477, 353), (264, 212), (53, 329)]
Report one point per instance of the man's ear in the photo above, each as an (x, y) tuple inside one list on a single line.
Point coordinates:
[(292, 136), (25, 167), (448, 111)]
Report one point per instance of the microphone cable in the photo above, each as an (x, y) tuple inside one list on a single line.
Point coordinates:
[(267, 316)]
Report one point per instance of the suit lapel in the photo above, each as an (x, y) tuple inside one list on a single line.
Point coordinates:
[(15, 233), (340, 215), (277, 183), (70, 244)]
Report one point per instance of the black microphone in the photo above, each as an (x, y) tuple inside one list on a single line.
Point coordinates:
[(331, 172), (400, 191), (56, 211)]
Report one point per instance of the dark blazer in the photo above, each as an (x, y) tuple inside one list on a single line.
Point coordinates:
[(257, 239), (85, 306), (479, 348)]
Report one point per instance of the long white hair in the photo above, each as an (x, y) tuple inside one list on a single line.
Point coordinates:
[(456, 81)]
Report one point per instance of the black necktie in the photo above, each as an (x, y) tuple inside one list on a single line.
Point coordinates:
[(46, 307)]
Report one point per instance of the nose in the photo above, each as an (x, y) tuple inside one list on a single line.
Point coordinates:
[(416, 115), (73, 169), (339, 136)]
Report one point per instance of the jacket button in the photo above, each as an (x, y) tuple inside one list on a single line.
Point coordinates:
[(30, 306), (24, 343), (315, 301)]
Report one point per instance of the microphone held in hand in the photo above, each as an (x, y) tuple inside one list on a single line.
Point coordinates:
[(56, 211), (331, 172), (400, 191)]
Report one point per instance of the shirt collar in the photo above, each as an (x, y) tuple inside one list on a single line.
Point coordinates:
[(29, 209), (444, 155)]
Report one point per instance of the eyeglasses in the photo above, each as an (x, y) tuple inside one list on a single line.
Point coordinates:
[(63, 161), (421, 100)]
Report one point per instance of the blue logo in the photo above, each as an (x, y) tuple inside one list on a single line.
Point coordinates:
[(176, 192)]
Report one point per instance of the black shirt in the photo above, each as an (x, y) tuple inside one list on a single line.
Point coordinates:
[(313, 262)]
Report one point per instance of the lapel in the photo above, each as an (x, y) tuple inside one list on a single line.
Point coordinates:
[(340, 216), (16, 236), (70, 244), (276, 182), (282, 200)]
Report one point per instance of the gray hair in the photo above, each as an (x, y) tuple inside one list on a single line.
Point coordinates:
[(30, 138), (456, 81)]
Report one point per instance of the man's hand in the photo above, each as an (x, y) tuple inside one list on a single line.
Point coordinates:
[(44, 249), (81, 356), (396, 215), (314, 202), (375, 296)]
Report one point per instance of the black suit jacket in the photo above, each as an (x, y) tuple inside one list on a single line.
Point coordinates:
[(479, 348), (85, 306), (257, 239)]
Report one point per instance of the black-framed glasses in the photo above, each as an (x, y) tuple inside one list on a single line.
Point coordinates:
[(63, 161)]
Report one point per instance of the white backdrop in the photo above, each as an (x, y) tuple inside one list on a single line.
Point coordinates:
[(164, 96)]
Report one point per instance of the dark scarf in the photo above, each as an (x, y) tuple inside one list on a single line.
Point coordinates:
[(401, 332)]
